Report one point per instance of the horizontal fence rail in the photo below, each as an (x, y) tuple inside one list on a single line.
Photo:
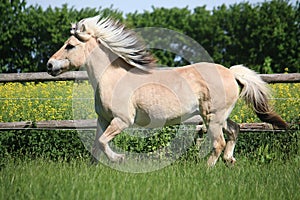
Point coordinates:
[(43, 76), (82, 75), (92, 124)]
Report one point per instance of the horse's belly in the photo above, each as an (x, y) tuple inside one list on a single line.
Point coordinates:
[(163, 104), (159, 116)]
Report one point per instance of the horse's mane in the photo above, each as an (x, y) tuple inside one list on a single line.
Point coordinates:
[(113, 35)]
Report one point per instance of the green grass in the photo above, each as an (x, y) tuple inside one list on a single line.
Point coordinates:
[(44, 179)]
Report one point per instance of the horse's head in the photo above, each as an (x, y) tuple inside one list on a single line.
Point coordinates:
[(73, 54), (111, 36)]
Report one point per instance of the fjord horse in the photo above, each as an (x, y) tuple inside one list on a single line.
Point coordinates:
[(131, 91)]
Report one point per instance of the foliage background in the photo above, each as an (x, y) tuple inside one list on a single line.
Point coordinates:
[(264, 36)]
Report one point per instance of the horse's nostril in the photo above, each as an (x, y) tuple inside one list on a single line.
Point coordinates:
[(49, 66)]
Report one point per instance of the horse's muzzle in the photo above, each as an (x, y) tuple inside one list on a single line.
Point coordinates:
[(49, 67), (56, 67)]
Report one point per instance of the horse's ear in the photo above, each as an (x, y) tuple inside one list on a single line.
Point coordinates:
[(84, 36), (82, 28), (73, 28), (83, 32)]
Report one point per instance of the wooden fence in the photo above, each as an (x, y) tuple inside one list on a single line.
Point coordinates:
[(82, 75), (91, 124)]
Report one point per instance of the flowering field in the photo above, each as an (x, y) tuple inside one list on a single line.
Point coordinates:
[(285, 101), (45, 101), (68, 100)]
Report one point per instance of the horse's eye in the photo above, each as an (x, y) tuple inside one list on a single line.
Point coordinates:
[(69, 46)]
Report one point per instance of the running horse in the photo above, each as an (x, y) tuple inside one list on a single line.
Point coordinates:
[(130, 90)]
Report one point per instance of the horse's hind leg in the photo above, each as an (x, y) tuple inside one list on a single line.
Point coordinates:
[(115, 127), (232, 130), (215, 134)]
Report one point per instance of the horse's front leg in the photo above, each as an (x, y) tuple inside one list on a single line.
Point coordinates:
[(101, 127), (116, 126)]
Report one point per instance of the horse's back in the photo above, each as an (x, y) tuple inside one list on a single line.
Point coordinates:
[(213, 76)]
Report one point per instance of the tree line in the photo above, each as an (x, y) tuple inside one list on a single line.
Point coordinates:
[(264, 36)]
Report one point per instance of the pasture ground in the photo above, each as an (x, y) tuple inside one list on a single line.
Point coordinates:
[(77, 179)]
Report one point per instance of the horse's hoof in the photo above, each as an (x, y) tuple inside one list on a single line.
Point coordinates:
[(118, 158), (230, 162), (211, 162), (94, 161)]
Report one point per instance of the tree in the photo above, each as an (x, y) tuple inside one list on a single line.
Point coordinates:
[(264, 37), (256, 35), (11, 26)]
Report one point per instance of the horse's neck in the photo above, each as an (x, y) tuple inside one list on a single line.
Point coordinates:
[(105, 71)]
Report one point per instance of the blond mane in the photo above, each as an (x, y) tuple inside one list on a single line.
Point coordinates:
[(113, 35)]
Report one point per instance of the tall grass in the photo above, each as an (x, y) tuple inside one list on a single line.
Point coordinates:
[(43, 179)]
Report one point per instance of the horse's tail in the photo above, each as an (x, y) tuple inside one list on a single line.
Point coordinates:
[(256, 92)]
